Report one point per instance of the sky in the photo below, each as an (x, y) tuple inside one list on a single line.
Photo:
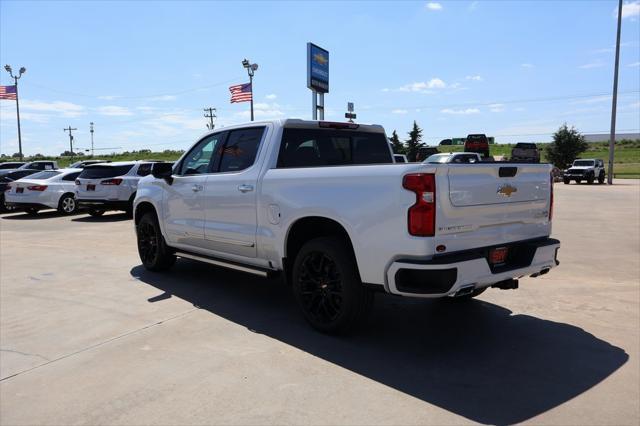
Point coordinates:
[(144, 71)]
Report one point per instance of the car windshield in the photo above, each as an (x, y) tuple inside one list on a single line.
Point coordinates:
[(48, 174), (583, 163), (99, 172), (437, 158)]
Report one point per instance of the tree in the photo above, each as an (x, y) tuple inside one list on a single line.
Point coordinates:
[(567, 144), (16, 155), (396, 144), (414, 143)]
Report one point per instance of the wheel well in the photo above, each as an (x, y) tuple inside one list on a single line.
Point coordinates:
[(142, 209), (308, 228)]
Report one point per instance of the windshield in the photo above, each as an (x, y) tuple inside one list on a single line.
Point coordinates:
[(99, 172), (438, 158), (48, 174), (583, 163)]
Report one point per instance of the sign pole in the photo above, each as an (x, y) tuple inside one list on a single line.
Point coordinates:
[(321, 106), (314, 105)]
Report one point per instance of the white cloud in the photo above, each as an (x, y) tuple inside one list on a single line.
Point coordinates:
[(473, 78), (591, 65), (473, 6), (386, 89), (629, 10), (466, 111), (65, 109), (526, 65), (496, 107), (424, 86), (271, 96), (435, 6), (164, 98), (634, 64), (399, 111), (114, 111)]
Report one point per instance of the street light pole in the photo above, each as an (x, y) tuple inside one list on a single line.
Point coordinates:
[(614, 102), (91, 130), (251, 69), (15, 80)]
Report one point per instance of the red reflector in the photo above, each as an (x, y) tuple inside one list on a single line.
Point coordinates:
[(37, 187), (422, 215), (337, 125), (498, 255), (116, 181)]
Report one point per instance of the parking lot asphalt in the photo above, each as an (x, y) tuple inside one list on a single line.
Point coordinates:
[(87, 336)]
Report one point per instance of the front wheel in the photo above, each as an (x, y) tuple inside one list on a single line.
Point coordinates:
[(590, 179), (67, 204), (152, 249), (327, 287), (601, 178), (578, 181)]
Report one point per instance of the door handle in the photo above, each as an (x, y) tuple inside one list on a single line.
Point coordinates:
[(196, 188), (245, 188)]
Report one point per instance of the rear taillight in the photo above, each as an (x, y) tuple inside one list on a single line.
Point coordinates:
[(37, 187), (551, 199), (7, 188), (78, 182), (116, 181), (422, 215)]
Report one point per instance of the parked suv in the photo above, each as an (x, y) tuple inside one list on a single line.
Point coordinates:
[(587, 169), (525, 152), (110, 186)]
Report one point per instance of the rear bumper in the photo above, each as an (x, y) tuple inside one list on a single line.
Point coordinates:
[(445, 275), (104, 204)]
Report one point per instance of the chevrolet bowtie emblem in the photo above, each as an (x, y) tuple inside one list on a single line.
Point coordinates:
[(507, 190)]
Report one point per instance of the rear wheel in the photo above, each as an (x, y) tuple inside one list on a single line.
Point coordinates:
[(96, 213), (601, 178), (590, 179), (154, 252), (67, 204), (578, 181), (327, 287), (566, 181)]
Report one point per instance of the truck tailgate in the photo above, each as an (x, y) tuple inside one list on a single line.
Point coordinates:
[(487, 204)]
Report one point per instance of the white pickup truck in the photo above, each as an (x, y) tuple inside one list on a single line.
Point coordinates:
[(325, 205)]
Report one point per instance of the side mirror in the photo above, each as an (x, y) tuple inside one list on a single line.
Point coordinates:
[(163, 171)]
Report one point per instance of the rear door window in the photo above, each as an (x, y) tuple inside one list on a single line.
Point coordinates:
[(319, 147), (71, 176), (241, 148)]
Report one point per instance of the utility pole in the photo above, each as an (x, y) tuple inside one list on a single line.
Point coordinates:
[(69, 129), (251, 69), (91, 130), (211, 116), (614, 102), (15, 80)]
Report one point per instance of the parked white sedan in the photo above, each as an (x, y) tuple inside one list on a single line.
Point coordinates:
[(49, 189)]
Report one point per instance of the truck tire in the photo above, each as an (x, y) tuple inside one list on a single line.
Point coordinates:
[(327, 286), (578, 181), (67, 204), (566, 181), (152, 249), (601, 178), (590, 178)]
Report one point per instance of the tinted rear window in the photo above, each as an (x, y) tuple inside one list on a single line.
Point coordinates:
[(317, 148), (44, 175), (526, 145), (99, 172)]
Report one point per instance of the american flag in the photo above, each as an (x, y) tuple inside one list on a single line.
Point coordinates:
[(241, 93), (8, 92)]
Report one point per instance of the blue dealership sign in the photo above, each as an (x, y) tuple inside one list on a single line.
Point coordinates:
[(317, 68)]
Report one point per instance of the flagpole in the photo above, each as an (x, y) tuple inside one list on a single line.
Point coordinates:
[(15, 79), (251, 84), (18, 114)]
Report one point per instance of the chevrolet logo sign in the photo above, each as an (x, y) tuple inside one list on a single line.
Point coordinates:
[(507, 190)]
